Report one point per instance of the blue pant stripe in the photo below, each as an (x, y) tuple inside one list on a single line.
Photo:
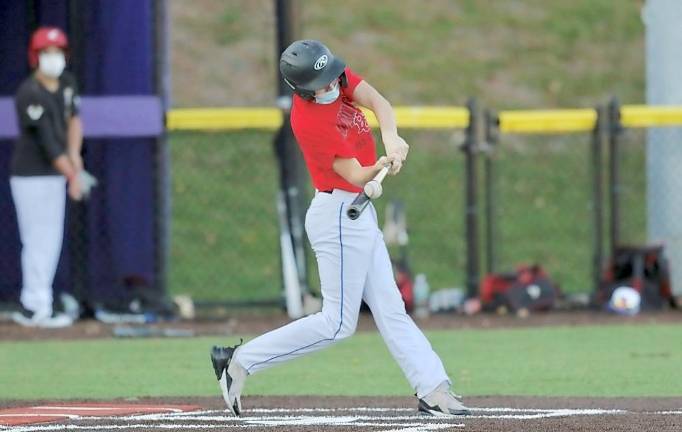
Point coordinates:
[(341, 314)]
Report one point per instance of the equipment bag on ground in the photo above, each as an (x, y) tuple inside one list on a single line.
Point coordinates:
[(529, 287), (643, 268)]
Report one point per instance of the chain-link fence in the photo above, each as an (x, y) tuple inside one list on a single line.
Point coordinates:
[(543, 207), (225, 234), (224, 224), (628, 189), (224, 230), (645, 161)]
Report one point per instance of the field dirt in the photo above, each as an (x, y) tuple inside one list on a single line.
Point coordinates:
[(340, 414)]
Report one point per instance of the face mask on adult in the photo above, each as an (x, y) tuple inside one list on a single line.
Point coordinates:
[(329, 96), (51, 64)]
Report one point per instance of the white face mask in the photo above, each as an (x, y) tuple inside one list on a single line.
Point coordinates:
[(329, 96), (51, 64)]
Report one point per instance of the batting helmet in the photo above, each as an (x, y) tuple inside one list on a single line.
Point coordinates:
[(308, 65), (43, 38)]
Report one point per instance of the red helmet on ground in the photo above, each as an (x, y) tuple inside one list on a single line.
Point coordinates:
[(42, 38)]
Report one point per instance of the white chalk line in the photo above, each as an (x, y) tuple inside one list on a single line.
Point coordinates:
[(398, 423), (223, 415), (375, 409), (356, 409)]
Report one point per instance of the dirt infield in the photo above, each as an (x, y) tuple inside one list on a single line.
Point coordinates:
[(340, 414)]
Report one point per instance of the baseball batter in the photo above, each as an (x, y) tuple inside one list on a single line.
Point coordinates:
[(352, 258)]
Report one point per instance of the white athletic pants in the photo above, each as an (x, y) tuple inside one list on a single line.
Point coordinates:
[(40, 202), (354, 265)]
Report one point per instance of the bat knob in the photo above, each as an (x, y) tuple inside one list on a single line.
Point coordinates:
[(353, 213), (373, 189)]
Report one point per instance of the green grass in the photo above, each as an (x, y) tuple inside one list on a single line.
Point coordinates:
[(605, 361)]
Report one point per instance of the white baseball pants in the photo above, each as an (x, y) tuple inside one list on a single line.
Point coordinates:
[(40, 204), (354, 265)]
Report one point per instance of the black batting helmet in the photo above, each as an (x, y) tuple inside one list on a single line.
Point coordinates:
[(308, 65)]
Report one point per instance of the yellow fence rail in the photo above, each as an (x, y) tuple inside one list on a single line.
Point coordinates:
[(271, 118), (547, 121), (641, 116), (512, 121), (210, 119)]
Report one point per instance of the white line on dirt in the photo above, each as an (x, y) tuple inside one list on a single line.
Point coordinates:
[(426, 429), (366, 409), (359, 409), (333, 419), (214, 419), (225, 416)]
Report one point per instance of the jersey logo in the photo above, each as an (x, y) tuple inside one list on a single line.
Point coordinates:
[(321, 62), (350, 117), (34, 111), (344, 119)]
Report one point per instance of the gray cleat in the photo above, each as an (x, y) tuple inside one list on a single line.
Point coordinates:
[(442, 402)]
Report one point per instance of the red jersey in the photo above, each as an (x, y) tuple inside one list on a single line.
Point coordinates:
[(325, 132)]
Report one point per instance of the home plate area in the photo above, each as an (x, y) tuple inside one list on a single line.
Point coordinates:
[(391, 416)]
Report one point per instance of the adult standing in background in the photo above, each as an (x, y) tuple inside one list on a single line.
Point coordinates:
[(46, 161)]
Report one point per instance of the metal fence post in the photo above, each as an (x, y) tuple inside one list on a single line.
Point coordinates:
[(293, 176), (597, 160), (615, 129), (470, 147), (491, 141)]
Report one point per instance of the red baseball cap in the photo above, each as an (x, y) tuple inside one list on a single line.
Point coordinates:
[(45, 37)]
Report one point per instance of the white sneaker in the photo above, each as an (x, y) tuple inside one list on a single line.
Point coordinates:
[(442, 402), (27, 318)]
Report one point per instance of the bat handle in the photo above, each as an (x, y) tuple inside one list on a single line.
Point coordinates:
[(382, 174), (362, 199)]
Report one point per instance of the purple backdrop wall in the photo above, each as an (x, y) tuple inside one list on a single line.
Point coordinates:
[(112, 54)]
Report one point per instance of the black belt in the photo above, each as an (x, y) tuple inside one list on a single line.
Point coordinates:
[(328, 191)]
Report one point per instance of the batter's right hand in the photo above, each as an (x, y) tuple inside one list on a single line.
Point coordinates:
[(393, 161), (383, 161)]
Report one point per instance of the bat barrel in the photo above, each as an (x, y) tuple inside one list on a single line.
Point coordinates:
[(357, 206)]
